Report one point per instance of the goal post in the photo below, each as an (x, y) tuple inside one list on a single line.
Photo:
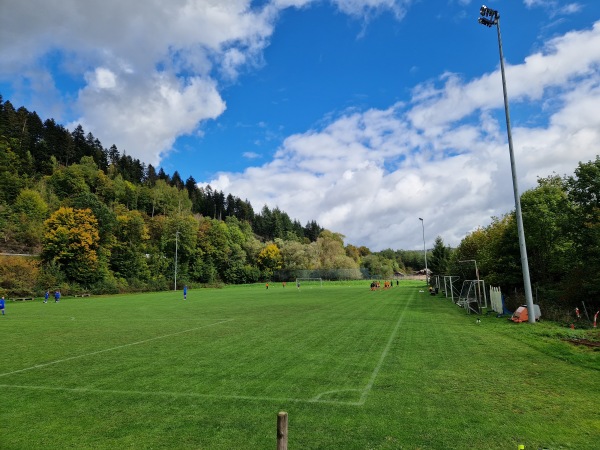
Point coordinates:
[(473, 296), (450, 287), (310, 282)]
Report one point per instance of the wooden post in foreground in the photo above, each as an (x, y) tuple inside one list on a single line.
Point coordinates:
[(282, 431)]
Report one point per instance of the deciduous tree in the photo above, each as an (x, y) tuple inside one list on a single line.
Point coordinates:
[(71, 240), (269, 259)]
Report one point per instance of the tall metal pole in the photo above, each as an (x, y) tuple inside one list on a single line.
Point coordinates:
[(425, 252), (176, 246), (521, 231)]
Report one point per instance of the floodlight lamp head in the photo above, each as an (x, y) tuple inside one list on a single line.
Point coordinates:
[(484, 11), (487, 22)]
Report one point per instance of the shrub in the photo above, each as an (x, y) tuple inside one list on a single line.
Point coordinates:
[(17, 274)]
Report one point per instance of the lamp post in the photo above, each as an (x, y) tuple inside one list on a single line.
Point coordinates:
[(176, 246), (425, 252), (490, 17)]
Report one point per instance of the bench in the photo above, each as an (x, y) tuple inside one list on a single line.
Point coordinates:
[(22, 299)]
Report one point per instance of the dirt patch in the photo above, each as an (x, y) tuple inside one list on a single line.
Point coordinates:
[(585, 342)]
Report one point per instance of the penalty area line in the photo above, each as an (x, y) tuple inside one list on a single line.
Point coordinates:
[(39, 366), (175, 394)]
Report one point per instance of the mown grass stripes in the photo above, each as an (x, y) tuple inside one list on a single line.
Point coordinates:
[(355, 369)]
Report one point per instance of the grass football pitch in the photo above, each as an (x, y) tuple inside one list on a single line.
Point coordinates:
[(353, 368)]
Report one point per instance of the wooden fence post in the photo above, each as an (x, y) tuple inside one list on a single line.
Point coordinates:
[(282, 431)]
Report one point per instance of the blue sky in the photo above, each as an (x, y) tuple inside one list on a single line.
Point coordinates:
[(361, 114)]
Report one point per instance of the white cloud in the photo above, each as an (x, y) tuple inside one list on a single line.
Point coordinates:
[(362, 8), (146, 68), (443, 157), (139, 61), (571, 8), (401, 177), (101, 78), (149, 112), (148, 73), (563, 60), (541, 3), (552, 7)]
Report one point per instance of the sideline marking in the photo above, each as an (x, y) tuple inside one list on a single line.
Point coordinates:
[(367, 389), (317, 399), (369, 386), (38, 366)]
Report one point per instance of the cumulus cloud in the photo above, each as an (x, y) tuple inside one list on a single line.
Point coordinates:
[(370, 174), (364, 8), (148, 71), (150, 112), (554, 8), (443, 156)]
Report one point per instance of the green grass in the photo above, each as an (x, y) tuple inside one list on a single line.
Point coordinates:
[(354, 369)]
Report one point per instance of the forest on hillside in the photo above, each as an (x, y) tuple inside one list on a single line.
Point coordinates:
[(100, 221)]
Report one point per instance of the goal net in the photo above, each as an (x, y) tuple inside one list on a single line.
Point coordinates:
[(473, 296), (450, 288), (309, 282)]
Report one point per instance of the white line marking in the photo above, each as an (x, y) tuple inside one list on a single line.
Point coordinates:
[(38, 366), (176, 394), (367, 389), (365, 392), (318, 397), (369, 386)]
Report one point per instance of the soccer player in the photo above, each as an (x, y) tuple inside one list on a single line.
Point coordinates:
[(185, 292), (46, 296), (56, 296), (2, 304)]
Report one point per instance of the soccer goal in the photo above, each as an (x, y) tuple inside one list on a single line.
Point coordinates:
[(309, 282), (473, 296), (450, 289)]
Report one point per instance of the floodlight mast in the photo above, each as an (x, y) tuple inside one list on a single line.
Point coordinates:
[(176, 246), (490, 17), (425, 252)]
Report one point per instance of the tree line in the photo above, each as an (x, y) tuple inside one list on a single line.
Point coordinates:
[(33, 149), (105, 222), (102, 221), (561, 218)]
